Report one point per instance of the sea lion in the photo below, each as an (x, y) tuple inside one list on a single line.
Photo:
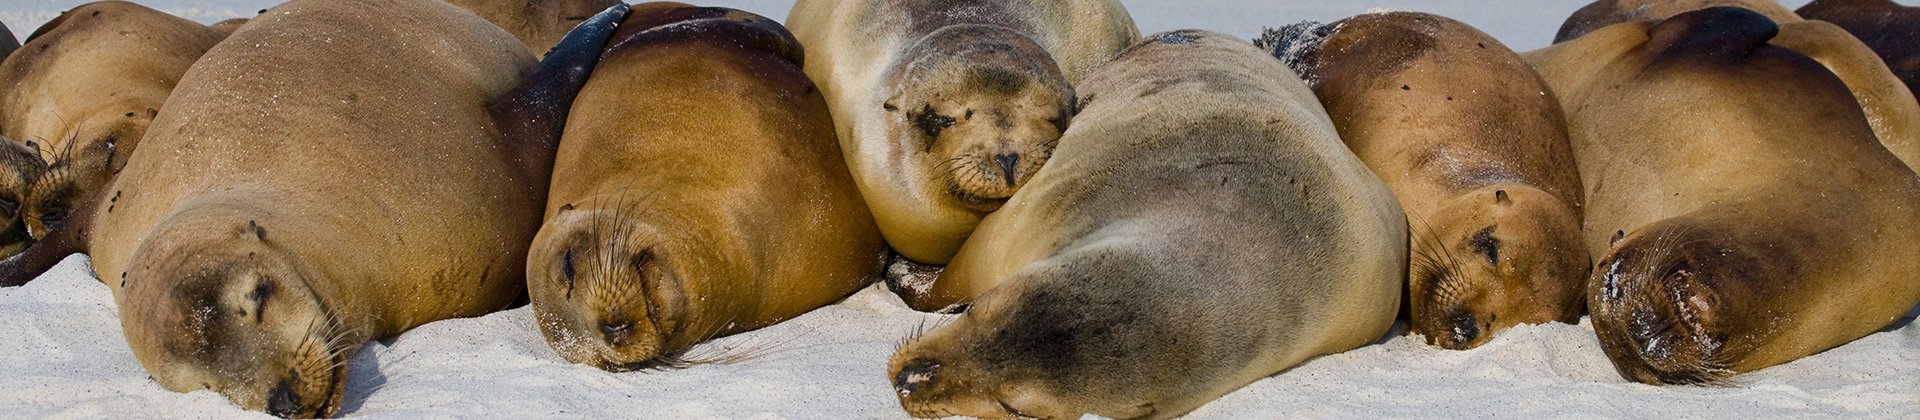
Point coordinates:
[(537, 23), (699, 191), (1744, 211), (338, 171), (1473, 144), (85, 87), (1602, 13), (944, 109), (1891, 30), (1200, 227)]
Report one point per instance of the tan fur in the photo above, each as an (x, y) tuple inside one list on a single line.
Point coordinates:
[(932, 144), (1473, 144), (1745, 213), (538, 23), (1201, 227), (1602, 13), (1889, 106), (699, 191), (84, 90), (326, 177)]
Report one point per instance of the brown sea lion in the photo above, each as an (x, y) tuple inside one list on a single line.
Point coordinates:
[(944, 109), (338, 171), (1603, 13), (699, 191), (1200, 227), (1745, 212), (1891, 30), (1473, 144), (538, 23), (85, 88)]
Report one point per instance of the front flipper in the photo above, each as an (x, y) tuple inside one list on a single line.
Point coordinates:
[(532, 115)]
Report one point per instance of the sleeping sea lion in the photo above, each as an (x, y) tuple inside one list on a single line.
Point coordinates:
[(1473, 144), (944, 109), (1745, 213), (336, 172), (699, 191), (85, 88), (1200, 227)]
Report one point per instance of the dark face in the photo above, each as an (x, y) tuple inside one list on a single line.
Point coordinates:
[(77, 172), (242, 323), (1656, 306), (606, 293), (20, 165)]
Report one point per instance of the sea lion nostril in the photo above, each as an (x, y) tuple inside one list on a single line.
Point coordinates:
[(1007, 162), (616, 333), (1465, 329), (281, 401), (915, 374)]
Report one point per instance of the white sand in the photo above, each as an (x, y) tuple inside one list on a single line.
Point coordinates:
[(63, 355)]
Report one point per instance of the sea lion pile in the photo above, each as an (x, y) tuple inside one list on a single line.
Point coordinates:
[(1123, 225)]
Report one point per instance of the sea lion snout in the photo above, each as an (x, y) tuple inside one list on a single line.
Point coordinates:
[(915, 375), (1655, 306), (605, 289)]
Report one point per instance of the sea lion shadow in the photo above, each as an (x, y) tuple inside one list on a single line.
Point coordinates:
[(1904, 320), (363, 378)]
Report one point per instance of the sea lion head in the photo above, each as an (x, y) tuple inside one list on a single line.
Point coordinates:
[(1043, 344), (1660, 301), (1497, 257), (20, 164), (233, 312), (610, 291), (79, 170), (979, 108)]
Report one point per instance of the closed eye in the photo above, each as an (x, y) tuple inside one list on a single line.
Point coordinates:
[(1486, 244)]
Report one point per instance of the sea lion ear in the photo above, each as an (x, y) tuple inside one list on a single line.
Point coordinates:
[(255, 231), (1500, 197), (531, 116), (1617, 236), (566, 208)]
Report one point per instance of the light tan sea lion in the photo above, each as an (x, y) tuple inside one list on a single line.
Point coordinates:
[(538, 23), (85, 88), (1602, 13), (1473, 144), (944, 109), (338, 171), (1201, 227), (1745, 213), (1890, 29), (699, 192)]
